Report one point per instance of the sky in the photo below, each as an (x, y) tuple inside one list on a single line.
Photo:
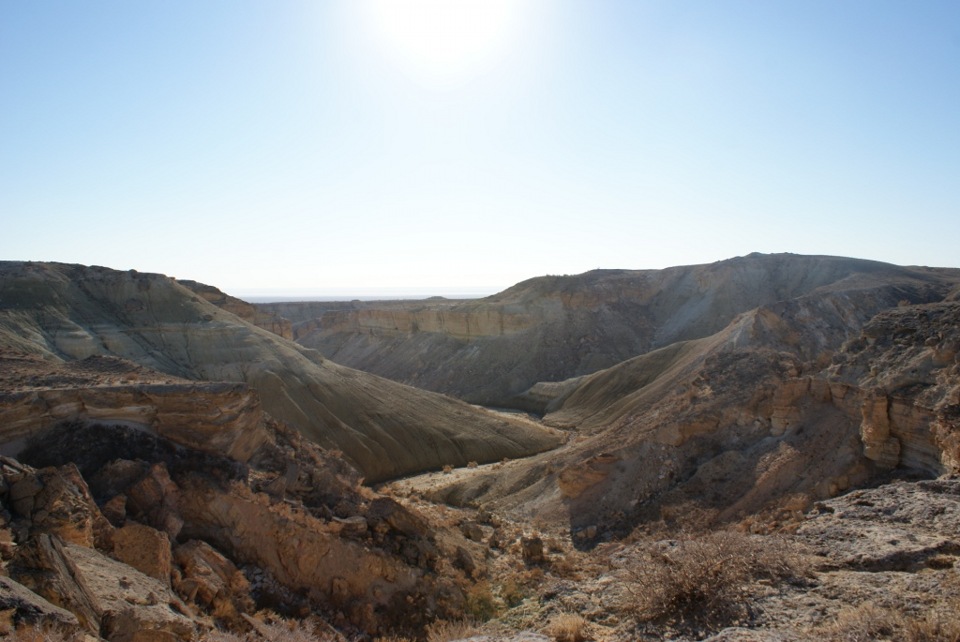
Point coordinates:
[(363, 147)]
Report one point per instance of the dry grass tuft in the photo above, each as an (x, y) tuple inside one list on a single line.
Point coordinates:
[(568, 627), (698, 583), (868, 622), (447, 631)]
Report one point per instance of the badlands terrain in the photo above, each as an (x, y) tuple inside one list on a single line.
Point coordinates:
[(763, 448)]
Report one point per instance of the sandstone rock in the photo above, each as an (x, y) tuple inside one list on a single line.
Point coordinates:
[(145, 549), (30, 608), (551, 329), (472, 531), (878, 445), (110, 599), (210, 579), (250, 313), (294, 547), (155, 499), (57, 501), (532, 550), (218, 418)]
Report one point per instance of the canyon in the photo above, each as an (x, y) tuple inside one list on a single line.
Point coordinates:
[(530, 459)]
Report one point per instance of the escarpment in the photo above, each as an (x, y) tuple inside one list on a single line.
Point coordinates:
[(549, 329)]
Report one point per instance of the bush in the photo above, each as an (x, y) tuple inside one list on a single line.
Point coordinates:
[(699, 583), (480, 605)]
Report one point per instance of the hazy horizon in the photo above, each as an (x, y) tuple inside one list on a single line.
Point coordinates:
[(280, 295), (432, 146)]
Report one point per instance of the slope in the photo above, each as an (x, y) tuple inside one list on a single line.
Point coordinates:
[(789, 404), (68, 312), (493, 350)]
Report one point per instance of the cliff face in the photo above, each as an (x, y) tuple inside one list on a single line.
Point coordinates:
[(67, 313), (790, 404), (554, 328), (219, 418)]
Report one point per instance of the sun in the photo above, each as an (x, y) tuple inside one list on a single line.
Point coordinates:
[(440, 41)]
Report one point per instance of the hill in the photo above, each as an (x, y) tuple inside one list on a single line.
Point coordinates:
[(65, 313), (548, 329)]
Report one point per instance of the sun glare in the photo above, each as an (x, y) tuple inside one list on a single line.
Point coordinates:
[(441, 41)]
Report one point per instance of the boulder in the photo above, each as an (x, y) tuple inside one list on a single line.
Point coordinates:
[(145, 549)]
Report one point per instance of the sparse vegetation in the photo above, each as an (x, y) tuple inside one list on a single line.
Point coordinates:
[(480, 604), (698, 583), (868, 622), (568, 627), (449, 630), (267, 626)]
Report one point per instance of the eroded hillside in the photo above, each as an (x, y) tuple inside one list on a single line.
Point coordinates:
[(549, 329), (69, 312)]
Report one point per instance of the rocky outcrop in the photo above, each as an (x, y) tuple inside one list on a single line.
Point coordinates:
[(900, 526), (195, 539), (110, 599), (24, 607)]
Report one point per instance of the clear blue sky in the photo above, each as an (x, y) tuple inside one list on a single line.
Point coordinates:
[(375, 146)]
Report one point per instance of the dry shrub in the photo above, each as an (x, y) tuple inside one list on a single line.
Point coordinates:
[(699, 583), (868, 622), (568, 627), (447, 630), (512, 592), (480, 604)]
